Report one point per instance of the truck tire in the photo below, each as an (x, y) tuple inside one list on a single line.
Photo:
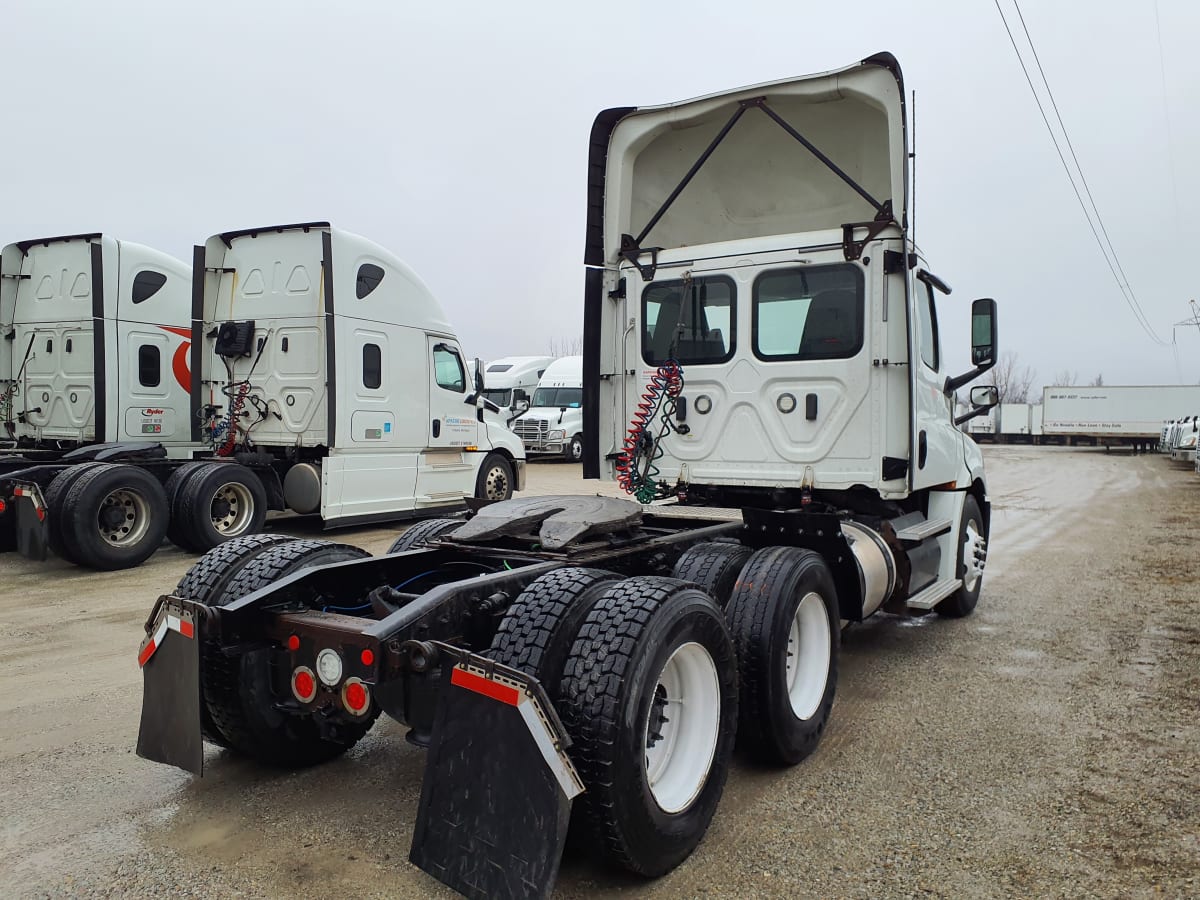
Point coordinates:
[(205, 581), (963, 601), (220, 501), (539, 629), (177, 531), (495, 480), (573, 451), (714, 566), (114, 517), (56, 493), (418, 534), (238, 688), (786, 626), (653, 780)]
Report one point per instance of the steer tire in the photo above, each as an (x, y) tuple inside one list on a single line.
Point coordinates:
[(178, 532), (611, 688), (239, 690), (573, 449), (495, 480), (963, 601), (779, 722), (539, 629), (418, 534), (218, 502), (114, 517), (714, 566), (205, 581), (56, 493)]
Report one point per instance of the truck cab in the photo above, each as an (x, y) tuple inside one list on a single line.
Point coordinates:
[(757, 240), (509, 384), (554, 423), (322, 351), (95, 343)]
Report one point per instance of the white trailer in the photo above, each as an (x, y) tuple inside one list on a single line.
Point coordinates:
[(510, 382), (322, 377), (1115, 415), (553, 424), (984, 427), (1014, 422), (1035, 422)]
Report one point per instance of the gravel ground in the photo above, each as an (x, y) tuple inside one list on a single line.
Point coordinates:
[(1046, 746)]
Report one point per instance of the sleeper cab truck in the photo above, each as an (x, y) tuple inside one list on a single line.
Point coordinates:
[(759, 333), (95, 337), (553, 424), (509, 384), (358, 414)]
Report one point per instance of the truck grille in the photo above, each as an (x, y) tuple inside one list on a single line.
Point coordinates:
[(530, 429)]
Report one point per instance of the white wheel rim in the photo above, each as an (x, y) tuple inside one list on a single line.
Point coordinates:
[(681, 727), (231, 509), (495, 485), (808, 653), (123, 518), (973, 545)]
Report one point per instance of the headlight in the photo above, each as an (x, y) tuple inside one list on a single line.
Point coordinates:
[(557, 435), (1188, 442)]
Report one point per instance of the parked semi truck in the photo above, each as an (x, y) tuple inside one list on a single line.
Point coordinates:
[(553, 424), (593, 659), (510, 382), (324, 378), (1115, 415)]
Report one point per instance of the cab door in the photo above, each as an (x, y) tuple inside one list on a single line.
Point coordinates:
[(937, 444), (452, 421), (447, 473)]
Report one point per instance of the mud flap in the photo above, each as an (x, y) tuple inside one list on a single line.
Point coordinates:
[(31, 537), (496, 797), (170, 661)]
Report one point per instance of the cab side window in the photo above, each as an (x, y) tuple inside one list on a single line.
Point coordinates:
[(448, 369), (927, 323)]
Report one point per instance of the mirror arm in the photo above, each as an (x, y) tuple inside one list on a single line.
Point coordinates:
[(966, 417), (953, 384)]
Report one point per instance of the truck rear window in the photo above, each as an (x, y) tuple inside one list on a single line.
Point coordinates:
[(690, 321), (809, 312)]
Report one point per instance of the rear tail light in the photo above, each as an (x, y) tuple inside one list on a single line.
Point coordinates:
[(356, 697), (3, 506), (304, 684)]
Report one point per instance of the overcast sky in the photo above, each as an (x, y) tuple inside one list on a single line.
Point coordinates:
[(455, 134)]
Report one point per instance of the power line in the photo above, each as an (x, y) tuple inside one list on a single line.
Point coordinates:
[(1122, 283)]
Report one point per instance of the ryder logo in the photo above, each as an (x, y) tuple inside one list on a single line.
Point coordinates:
[(179, 362), (152, 412)]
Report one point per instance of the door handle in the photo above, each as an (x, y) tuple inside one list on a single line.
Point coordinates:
[(437, 427), (922, 449)]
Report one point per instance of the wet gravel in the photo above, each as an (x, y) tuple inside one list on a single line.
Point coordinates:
[(1047, 746)]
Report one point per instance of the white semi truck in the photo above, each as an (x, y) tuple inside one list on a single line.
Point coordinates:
[(322, 377), (760, 333), (510, 382), (553, 424)]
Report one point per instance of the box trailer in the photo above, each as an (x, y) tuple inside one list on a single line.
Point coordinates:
[(1014, 422), (1115, 415)]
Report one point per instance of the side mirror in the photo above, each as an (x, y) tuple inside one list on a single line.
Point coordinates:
[(985, 396), (983, 332), (478, 375), (520, 405), (983, 344)]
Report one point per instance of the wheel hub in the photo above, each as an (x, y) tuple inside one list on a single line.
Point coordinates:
[(808, 653), (974, 555)]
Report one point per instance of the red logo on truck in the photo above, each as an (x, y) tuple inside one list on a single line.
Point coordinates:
[(179, 362), (152, 412)]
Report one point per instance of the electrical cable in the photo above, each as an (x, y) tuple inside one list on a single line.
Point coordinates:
[(1123, 286)]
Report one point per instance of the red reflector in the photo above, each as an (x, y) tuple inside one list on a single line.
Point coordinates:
[(41, 514), (481, 685), (293, 643), (3, 507), (146, 653), (356, 696), (368, 658), (304, 686)]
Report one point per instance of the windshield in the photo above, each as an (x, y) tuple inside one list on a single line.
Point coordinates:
[(499, 397), (572, 398)]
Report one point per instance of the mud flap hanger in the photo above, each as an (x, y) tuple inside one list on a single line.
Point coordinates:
[(631, 247)]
